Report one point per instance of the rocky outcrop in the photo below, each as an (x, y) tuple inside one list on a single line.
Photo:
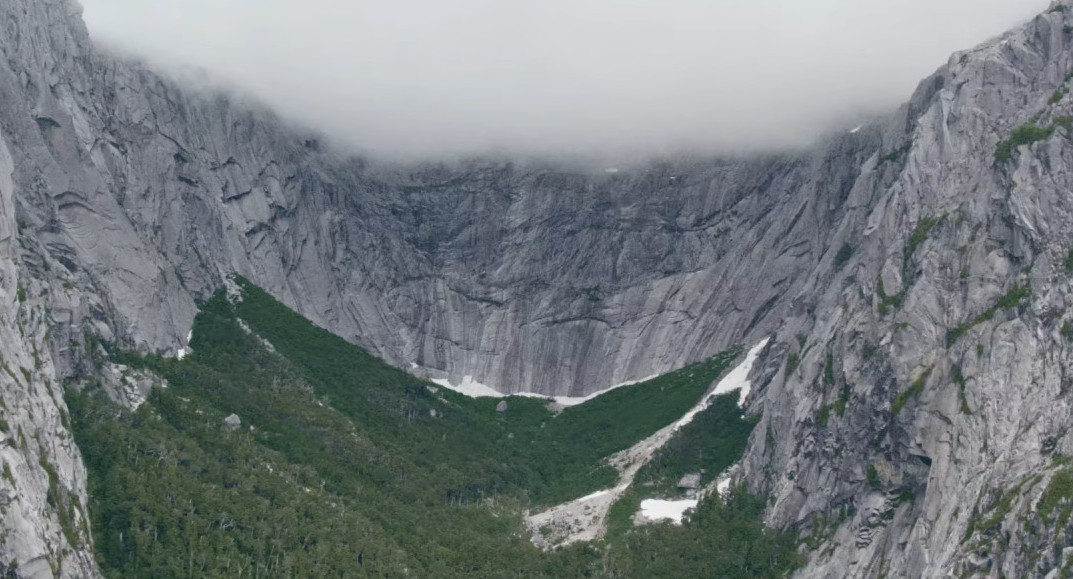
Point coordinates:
[(913, 275), (923, 406), (43, 526)]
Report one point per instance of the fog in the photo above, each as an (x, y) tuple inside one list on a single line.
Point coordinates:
[(448, 77)]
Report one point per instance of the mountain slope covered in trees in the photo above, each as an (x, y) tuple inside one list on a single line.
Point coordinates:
[(344, 466)]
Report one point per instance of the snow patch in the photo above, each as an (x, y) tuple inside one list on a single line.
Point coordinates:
[(187, 350), (473, 389), (470, 387), (737, 379), (857, 130), (661, 510), (611, 170)]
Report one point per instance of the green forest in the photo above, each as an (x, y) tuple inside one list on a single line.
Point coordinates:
[(343, 466)]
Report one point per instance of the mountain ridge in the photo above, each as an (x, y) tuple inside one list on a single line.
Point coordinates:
[(125, 198)]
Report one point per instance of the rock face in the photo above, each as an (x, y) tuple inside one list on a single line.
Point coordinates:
[(43, 529), (927, 401), (913, 392), (527, 277), (232, 422)]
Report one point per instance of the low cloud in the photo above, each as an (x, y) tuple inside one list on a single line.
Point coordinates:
[(439, 77)]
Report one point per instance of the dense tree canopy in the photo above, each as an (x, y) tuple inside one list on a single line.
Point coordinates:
[(346, 467)]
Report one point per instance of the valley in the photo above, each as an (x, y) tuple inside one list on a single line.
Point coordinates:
[(342, 465)]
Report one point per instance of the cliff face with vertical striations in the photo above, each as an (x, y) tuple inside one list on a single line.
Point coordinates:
[(526, 276), (929, 412), (913, 274)]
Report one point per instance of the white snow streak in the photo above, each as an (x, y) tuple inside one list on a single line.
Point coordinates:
[(473, 389), (661, 510), (470, 387), (184, 352), (737, 379)]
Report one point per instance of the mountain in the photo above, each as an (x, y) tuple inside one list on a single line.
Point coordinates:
[(913, 276), (525, 276), (278, 448)]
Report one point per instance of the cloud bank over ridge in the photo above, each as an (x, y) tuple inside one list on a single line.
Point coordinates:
[(435, 77)]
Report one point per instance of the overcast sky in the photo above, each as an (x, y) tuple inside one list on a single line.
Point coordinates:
[(436, 77)]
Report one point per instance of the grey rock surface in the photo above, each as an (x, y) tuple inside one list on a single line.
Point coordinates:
[(956, 401), (526, 276), (690, 482), (232, 422), (125, 197)]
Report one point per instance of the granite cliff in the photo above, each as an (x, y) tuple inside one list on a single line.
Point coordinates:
[(913, 274)]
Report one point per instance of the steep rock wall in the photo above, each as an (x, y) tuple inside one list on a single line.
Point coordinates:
[(919, 431), (126, 198)]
